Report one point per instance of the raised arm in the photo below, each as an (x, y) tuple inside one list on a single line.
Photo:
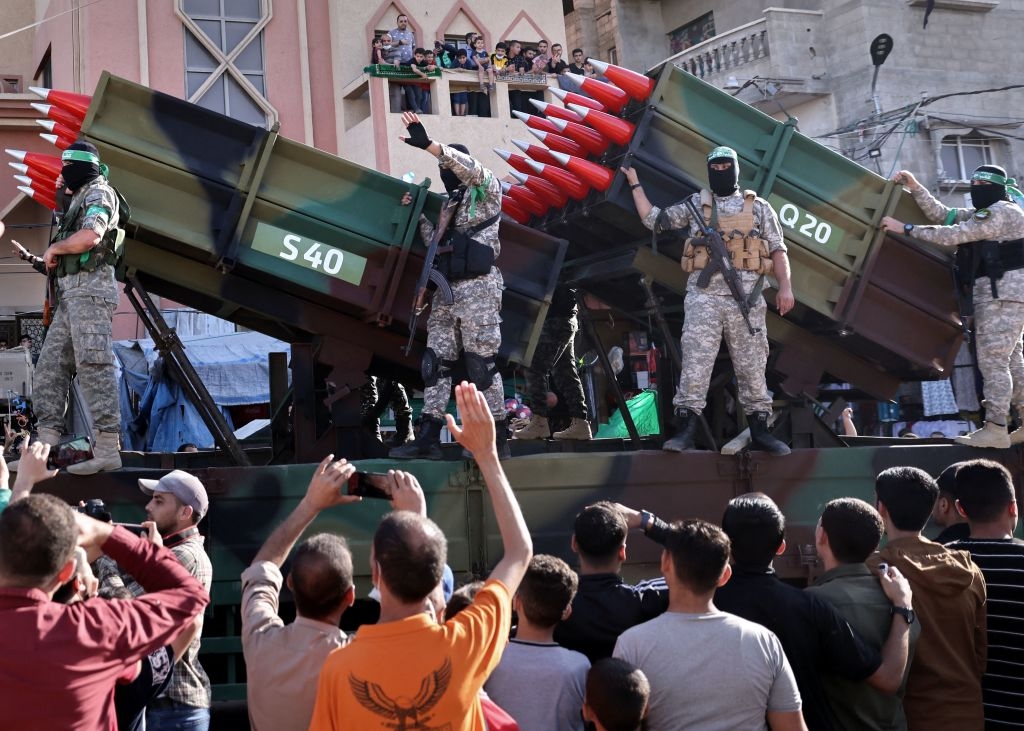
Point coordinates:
[(477, 435), (326, 489)]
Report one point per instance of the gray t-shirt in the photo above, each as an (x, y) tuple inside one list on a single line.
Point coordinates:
[(710, 672), (540, 685)]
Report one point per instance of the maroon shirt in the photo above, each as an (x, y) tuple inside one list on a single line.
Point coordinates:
[(58, 663)]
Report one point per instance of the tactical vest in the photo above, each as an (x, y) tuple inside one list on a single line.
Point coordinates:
[(747, 251), (107, 251), (990, 259), (462, 256)]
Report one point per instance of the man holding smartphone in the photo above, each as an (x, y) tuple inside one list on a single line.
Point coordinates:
[(442, 667), (283, 661)]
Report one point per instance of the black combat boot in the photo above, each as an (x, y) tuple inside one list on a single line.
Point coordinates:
[(761, 438), (685, 425), (426, 445), (403, 429)]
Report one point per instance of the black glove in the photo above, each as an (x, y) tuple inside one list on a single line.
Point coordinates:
[(417, 136)]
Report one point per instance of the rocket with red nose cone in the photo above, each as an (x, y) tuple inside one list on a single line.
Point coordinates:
[(568, 182)]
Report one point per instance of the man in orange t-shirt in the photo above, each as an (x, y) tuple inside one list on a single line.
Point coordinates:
[(408, 672)]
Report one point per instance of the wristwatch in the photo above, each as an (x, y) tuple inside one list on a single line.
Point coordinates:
[(646, 520), (907, 228), (907, 614)]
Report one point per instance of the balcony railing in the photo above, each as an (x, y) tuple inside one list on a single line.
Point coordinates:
[(728, 51)]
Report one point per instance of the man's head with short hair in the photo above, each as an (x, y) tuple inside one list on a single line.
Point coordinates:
[(699, 555), (853, 529), (906, 495), (599, 533), (321, 576), (756, 527), (530, 53), (461, 54), (546, 592), (945, 513), (542, 46), (985, 490), (577, 55), (409, 554), (37, 543), (402, 21), (617, 695)]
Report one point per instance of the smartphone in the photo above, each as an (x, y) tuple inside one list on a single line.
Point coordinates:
[(369, 485), (883, 568), (71, 452)]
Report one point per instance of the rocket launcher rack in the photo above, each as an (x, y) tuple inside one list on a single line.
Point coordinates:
[(240, 222), (873, 309)]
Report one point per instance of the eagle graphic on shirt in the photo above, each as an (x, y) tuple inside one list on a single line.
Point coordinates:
[(408, 714)]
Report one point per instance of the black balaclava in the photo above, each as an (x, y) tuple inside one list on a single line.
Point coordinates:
[(81, 164), (724, 182), (450, 179), (982, 196)]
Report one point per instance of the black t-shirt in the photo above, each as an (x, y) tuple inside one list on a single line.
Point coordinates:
[(604, 607), (580, 70), (131, 699), (556, 67), (817, 640)]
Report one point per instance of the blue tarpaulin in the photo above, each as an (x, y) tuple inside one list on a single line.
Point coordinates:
[(233, 367)]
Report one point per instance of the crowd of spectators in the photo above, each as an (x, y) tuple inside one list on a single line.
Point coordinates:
[(915, 635), (510, 60)]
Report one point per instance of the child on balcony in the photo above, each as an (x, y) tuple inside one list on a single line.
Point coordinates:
[(484, 67)]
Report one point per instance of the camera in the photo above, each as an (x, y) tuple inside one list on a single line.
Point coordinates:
[(96, 508)]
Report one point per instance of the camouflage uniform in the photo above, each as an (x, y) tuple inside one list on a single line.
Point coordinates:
[(473, 321), (555, 353), (79, 338), (999, 323), (712, 312)]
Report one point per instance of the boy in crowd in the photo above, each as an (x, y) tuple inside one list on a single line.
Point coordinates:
[(540, 684), (709, 669), (420, 95), (848, 532), (460, 99), (988, 500), (617, 695), (498, 59), (577, 67), (944, 686), (484, 67)]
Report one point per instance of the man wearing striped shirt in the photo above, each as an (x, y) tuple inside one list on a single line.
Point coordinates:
[(988, 501)]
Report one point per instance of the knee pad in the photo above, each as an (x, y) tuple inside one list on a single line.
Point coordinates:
[(432, 368), (479, 370)]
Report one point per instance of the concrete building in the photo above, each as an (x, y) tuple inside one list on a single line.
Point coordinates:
[(299, 64), (810, 58)]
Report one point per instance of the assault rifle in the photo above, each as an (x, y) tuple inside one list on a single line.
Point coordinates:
[(430, 274), (36, 262), (720, 261)]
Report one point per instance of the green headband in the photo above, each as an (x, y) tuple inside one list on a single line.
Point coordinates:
[(992, 178), (722, 152), (997, 179), (79, 156)]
